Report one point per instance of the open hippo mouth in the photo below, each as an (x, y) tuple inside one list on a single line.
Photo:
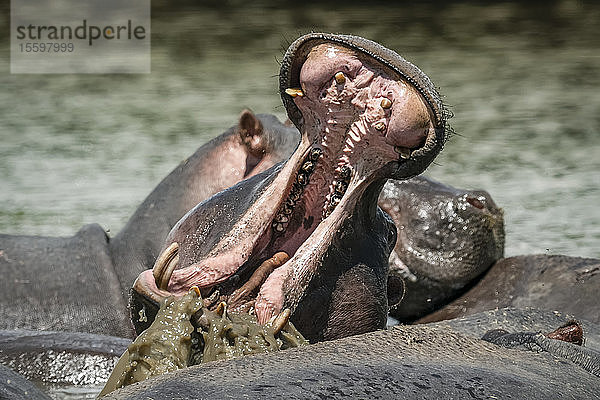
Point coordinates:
[(365, 115)]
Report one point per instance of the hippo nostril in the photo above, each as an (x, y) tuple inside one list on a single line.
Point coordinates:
[(403, 151), (475, 202)]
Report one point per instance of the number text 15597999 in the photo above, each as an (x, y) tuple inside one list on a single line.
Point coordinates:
[(47, 47)]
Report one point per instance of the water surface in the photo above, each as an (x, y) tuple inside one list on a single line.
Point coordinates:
[(522, 81)]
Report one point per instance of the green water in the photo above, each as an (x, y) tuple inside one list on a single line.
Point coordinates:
[(522, 81)]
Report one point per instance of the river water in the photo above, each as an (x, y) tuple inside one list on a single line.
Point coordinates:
[(522, 80)]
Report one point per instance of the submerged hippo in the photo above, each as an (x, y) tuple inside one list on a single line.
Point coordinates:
[(81, 283), (437, 361), (447, 237), (365, 115), (551, 282)]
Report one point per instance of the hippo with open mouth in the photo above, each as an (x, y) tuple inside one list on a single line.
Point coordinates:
[(307, 235)]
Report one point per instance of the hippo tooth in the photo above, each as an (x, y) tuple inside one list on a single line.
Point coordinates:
[(278, 227), (340, 186), (282, 218), (340, 78), (294, 196), (165, 265), (315, 153), (302, 179), (380, 126), (386, 103), (288, 210), (281, 320), (403, 151), (308, 166), (294, 92), (221, 309), (345, 172)]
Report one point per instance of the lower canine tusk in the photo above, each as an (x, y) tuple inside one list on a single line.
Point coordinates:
[(281, 320), (165, 265)]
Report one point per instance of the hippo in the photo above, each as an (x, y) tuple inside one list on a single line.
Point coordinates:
[(366, 115), (15, 387), (447, 238), (59, 361), (552, 282), (446, 359), (443, 360), (134, 248), (81, 283)]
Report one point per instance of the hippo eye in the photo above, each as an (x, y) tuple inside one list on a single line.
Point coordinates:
[(475, 202)]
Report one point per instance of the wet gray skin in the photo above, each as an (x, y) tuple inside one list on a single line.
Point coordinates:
[(81, 283), (437, 361), (365, 115), (403, 360), (57, 359), (556, 282), (447, 237), (15, 387)]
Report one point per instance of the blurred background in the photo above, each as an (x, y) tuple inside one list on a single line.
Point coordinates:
[(522, 78)]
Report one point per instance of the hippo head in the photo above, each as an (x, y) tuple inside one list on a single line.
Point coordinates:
[(307, 233), (447, 237)]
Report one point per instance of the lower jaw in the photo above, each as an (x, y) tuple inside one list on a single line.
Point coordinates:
[(277, 291)]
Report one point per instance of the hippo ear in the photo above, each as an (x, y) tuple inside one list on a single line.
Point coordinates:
[(251, 131), (395, 290)]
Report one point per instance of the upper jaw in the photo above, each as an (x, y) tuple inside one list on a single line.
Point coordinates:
[(421, 154)]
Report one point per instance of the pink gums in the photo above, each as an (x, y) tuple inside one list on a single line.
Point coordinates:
[(351, 125)]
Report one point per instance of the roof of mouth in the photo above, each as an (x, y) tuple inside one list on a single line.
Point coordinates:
[(299, 49)]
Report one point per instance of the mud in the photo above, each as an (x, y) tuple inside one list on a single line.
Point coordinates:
[(186, 333)]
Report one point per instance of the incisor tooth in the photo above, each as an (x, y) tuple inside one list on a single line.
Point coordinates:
[(380, 126), (294, 92), (340, 78), (386, 103)]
